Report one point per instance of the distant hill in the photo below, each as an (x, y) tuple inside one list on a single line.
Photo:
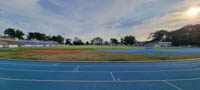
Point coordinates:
[(188, 35)]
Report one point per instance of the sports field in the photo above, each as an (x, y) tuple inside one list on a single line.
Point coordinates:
[(90, 53), (34, 75)]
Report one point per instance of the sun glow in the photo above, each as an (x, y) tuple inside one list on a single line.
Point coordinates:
[(193, 11)]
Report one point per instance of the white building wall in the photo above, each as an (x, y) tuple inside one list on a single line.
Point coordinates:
[(13, 46)]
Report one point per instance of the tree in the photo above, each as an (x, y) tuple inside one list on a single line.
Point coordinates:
[(49, 38), (114, 41), (60, 39), (41, 37), (53, 38), (162, 35), (77, 41), (38, 36), (19, 34), (87, 43), (30, 36), (128, 40), (68, 41), (122, 40), (188, 35), (10, 32), (106, 43), (97, 41)]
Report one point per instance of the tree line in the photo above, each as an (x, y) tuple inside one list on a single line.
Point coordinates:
[(18, 34), (127, 40), (188, 35)]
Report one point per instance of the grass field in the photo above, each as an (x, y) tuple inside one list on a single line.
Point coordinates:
[(88, 53), (88, 47)]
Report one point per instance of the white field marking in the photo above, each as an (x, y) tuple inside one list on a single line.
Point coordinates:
[(76, 69), (172, 85), (113, 77), (122, 81)]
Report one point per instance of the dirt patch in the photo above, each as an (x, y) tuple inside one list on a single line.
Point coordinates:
[(54, 51)]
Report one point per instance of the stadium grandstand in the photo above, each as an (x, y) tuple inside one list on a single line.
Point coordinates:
[(11, 43), (36, 43)]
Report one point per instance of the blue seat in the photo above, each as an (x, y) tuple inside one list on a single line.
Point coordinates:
[(35, 43)]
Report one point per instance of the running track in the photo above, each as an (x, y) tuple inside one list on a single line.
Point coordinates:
[(35, 75)]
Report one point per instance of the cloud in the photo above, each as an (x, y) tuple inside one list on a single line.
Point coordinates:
[(169, 21), (90, 18)]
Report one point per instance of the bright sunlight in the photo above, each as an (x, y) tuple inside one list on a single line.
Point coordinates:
[(193, 11)]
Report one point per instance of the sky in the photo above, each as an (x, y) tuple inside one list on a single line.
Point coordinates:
[(87, 19)]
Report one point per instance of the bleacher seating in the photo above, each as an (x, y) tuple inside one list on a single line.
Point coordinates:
[(35, 43)]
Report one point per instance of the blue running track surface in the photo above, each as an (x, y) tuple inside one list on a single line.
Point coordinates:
[(180, 51), (37, 75)]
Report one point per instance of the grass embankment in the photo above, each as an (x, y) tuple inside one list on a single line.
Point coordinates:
[(88, 53)]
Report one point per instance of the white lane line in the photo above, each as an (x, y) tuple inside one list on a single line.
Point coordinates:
[(159, 80), (33, 70), (183, 79), (139, 65), (76, 69), (109, 65), (122, 81), (113, 77), (36, 80), (172, 85), (33, 64)]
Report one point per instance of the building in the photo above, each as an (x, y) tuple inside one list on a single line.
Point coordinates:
[(158, 44)]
